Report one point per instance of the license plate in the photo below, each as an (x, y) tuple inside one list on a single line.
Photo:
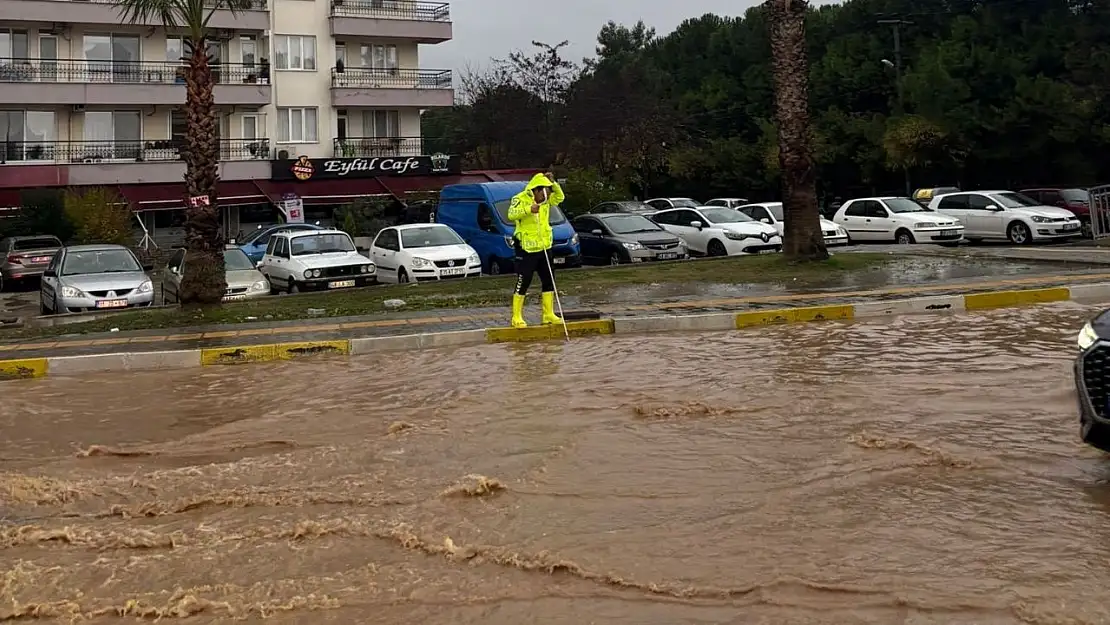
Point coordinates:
[(667, 256), (1070, 227), (767, 251), (112, 303), (454, 271), (40, 259), (949, 233), (341, 284), (559, 261)]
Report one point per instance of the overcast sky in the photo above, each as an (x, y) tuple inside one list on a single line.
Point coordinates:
[(491, 28)]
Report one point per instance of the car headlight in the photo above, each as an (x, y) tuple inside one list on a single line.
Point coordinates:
[(1039, 220), (841, 232), (474, 259), (735, 236), (921, 225), (70, 291), (574, 239), (145, 287), (371, 268), (420, 263), (1087, 336), (316, 273), (261, 285), (307, 273), (363, 269), (510, 242), (632, 247)]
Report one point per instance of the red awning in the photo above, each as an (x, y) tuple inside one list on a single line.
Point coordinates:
[(153, 197), (239, 192), (318, 192), (398, 186), (10, 198)]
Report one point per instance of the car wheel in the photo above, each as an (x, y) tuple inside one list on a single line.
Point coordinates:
[(294, 288), (43, 310), (494, 266), (904, 237), (1, 283), (1094, 434), (716, 248), (615, 259), (1084, 224), (402, 276), (1018, 233)]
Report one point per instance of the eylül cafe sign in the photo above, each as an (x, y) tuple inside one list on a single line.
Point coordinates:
[(304, 168)]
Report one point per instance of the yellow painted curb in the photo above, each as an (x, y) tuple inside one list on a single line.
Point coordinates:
[(1003, 299), (277, 351), (25, 368), (547, 333), (794, 315)]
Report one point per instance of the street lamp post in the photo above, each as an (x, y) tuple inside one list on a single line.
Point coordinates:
[(896, 25)]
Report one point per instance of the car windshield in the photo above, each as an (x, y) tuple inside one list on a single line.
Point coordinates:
[(717, 215), (1014, 200), (321, 244), (775, 210), (254, 236), (236, 260), (429, 236), (683, 202), (627, 224), (21, 245), (85, 262), (554, 217), (1077, 195), (904, 205), (625, 207)]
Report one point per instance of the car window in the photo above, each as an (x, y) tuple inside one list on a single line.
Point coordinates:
[(485, 218), (1013, 200), (270, 251), (281, 247), (22, 245), (978, 202), (875, 209), (757, 213), (429, 236), (683, 202), (666, 217), (629, 224), (953, 202), (716, 203), (687, 218), (585, 224), (323, 243), (1047, 197), (99, 261), (904, 205), (236, 260), (176, 260), (388, 240), (659, 204), (856, 209), (1081, 196)]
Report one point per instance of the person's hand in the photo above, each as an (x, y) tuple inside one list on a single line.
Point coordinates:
[(550, 176), (535, 208)]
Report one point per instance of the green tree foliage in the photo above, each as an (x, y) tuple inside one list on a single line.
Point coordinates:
[(99, 215), (997, 93)]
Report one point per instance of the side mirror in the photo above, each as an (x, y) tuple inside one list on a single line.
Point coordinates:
[(50, 273), (148, 266), (696, 224), (258, 264), (766, 220), (596, 231), (992, 207)]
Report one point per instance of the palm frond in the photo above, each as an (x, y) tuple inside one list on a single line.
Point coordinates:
[(190, 15)]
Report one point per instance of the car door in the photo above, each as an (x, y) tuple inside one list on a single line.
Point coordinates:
[(172, 277), (273, 263), (985, 217), (259, 246), (385, 252), (955, 206), (696, 238), (592, 244), (880, 222), (853, 218), (49, 284)]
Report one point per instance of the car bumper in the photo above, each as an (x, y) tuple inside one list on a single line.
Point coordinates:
[(1092, 390), (439, 273), (238, 297), (833, 241), (650, 256), (90, 303), (939, 235), (753, 246), (19, 273), (339, 282), (1051, 231)]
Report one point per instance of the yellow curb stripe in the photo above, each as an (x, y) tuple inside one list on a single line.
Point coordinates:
[(268, 353), (1003, 299), (794, 315), (24, 368), (593, 327)]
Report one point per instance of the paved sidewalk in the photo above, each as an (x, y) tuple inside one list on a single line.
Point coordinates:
[(333, 329)]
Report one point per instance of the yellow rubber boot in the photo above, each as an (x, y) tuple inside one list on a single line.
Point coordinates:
[(549, 316), (518, 311)]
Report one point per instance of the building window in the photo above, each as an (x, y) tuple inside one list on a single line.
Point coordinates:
[(112, 58), (177, 127), (297, 125), (250, 127), (14, 44), (378, 56), (113, 134), (28, 135), (248, 50), (175, 50), (381, 124), (296, 52)]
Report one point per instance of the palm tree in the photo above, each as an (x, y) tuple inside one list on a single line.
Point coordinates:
[(803, 239), (204, 283)]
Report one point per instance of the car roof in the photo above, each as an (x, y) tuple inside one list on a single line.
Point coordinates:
[(878, 197), (419, 225), (973, 191), (603, 215), (761, 204), (94, 247), (302, 233), (23, 237)]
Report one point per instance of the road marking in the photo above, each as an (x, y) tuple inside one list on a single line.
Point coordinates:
[(551, 332), (276, 351), (1003, 299), (23, 368), (794, 315)]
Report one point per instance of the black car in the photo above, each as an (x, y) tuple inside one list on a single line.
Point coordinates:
[(631, 207), (1092, 381), (617, 238)]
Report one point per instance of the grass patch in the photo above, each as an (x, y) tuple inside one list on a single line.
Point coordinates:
[(487, 291)]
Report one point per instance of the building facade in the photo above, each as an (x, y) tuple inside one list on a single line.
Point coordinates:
[(86, 99)]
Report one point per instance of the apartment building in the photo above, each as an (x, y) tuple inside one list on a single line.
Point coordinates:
[(333, 88)]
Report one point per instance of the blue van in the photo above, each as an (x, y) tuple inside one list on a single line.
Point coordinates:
[(479, 213)]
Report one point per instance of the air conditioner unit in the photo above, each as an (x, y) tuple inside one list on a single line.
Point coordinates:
[(283, 155)]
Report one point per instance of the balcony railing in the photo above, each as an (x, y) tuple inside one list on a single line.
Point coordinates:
[(392, 9), (373, 78), (123, 72), (123, 151), (369, 147), (236, 5)]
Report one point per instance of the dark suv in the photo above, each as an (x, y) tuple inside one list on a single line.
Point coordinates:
[(1076, 200), (1092, 381)]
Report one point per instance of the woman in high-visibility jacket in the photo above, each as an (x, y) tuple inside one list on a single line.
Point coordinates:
[(530, 210)]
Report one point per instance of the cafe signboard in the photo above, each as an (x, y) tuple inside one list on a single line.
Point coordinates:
[(304, 168)]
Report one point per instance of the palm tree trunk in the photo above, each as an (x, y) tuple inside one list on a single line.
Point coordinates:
[(803, 239), (204, 281)]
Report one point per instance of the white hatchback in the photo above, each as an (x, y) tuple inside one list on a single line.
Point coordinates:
[(1007, 215), (419, 252), (719, 231), (771, 213), (896, 219)]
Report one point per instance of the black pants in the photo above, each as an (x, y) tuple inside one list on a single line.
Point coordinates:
[(528, 263)]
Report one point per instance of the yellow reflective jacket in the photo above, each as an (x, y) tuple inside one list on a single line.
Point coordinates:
[(534, 230)]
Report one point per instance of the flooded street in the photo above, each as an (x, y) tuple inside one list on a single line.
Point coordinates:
[(919, 470)]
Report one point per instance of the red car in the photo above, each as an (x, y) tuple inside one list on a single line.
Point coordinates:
[(1076, 200)]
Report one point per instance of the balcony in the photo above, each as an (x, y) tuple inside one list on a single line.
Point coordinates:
[(363, 86), (124, 151), (370, 147), (249, 14), (64, 81), (423, 22)]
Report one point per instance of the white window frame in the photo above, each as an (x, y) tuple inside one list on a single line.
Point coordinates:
[(243, 127), (300, 42), (370, 124), (310, 131)]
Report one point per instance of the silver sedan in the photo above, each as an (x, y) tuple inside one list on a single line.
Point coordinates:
[(244, 281), (83, 278)]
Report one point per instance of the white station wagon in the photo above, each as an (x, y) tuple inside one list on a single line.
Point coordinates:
[(996, 215), (303, 260)]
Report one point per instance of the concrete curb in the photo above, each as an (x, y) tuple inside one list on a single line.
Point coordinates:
[(182, 359)]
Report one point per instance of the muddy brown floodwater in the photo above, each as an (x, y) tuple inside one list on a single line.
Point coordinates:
[(920, 470)]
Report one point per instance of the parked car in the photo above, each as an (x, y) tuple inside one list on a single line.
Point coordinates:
[(1092, 381), (771, 213), (1007, 215), (23, 258), (727, 202), (419, 252), (244, 280), (82, 278), (718, 231), (616, 238), (254, 244), (479, 213), (896, 219), (632, 207), (1078, 201), (302, 260), (663, 203)]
